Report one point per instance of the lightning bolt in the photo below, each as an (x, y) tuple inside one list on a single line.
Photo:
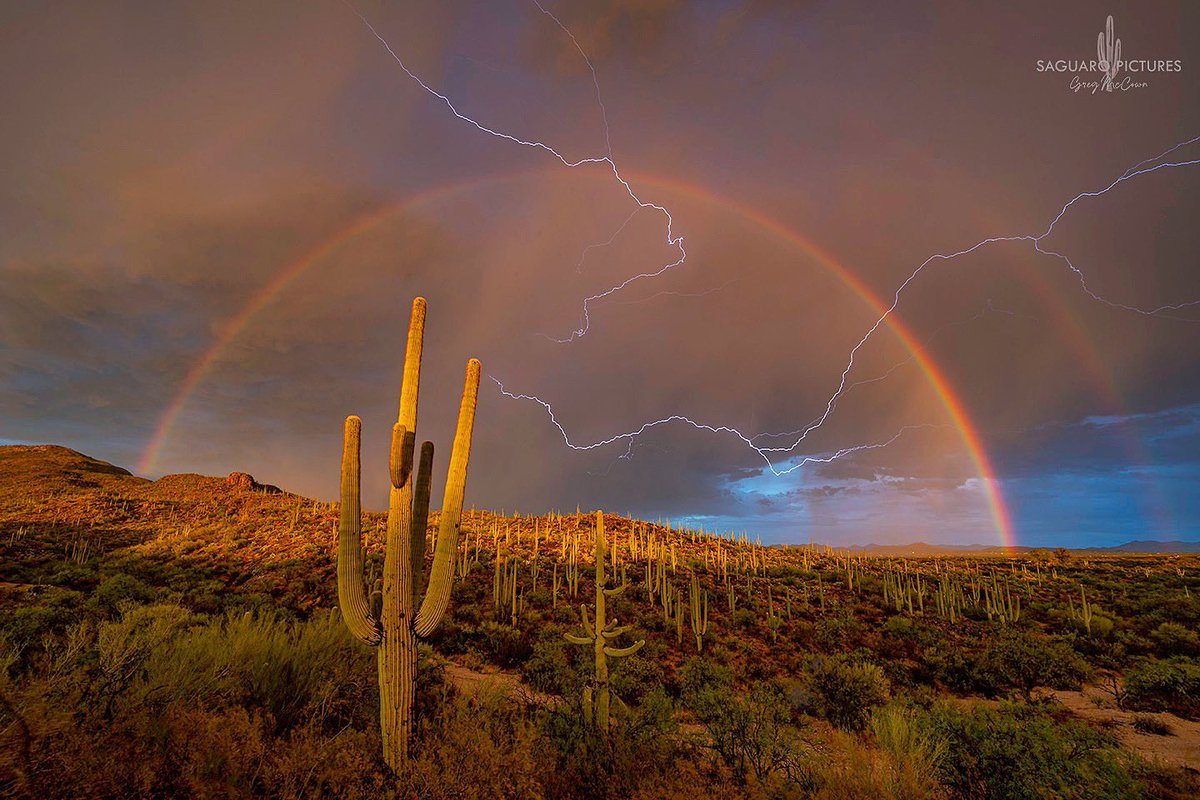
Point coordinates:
[(673, 241), (1035, 240), (799, 462), (988, 309)]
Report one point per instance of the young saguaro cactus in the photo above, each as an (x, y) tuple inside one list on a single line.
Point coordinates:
[(699, 603), (393, 622), (597, 697)]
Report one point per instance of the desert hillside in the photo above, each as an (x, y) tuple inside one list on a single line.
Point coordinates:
[(188, 626)]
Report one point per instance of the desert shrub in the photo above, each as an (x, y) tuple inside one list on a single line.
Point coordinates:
[(477, 748), (702, 674), (845, 691), (906, 629), (503, 645), (899, 732), (633, 678), (1102, 626), (1173, 639), (284, 672), (77, 576), (749, 730), (859, 772), (578, 762), (1169, 685), (839, 633), (949, 666), (25, 627), (744, 618), (1151, 724), (550, 668), (1019, 751), (1025, 661), (126, 646), (121, 588)]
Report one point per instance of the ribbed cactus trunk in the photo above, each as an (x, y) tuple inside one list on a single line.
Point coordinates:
[(400, 624), (398, 650)]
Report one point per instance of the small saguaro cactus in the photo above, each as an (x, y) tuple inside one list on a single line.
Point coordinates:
[(699, 603), (389, 619), (597, 696)]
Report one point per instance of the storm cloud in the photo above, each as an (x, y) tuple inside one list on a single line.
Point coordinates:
[(251, 195)]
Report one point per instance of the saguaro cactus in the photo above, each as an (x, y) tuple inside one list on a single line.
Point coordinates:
[(597, 696), (699, 602), (392, 625)]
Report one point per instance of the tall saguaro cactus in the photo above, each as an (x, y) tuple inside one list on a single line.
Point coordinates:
[(397, 624), (596, 698)]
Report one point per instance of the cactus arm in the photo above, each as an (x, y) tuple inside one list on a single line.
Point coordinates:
[(615, 632), (410, 386), (352, 594), (441, 578), (400, 457), (587, 623), (573, 639), (420, 518), (615, 592), (621, 652)]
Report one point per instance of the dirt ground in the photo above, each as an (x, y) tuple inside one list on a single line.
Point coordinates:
[(1180, 749), (472, 682)]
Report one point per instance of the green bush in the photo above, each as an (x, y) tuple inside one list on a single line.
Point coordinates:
[(550, 668), (839, 633), (504, 645), (1169, 685), (1173, 639), (25, 627), (1151, 724), (751, 730), (845, 691), (699, 674), (898, 731), (121, 588), (634, 678), (1019, 751), (1026, 661)]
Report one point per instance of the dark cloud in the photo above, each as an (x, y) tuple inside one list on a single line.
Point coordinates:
[(165, 166)]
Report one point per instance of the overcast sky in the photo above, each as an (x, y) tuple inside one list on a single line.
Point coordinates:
[(214, 217)]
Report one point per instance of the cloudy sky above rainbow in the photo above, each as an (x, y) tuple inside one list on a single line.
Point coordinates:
[(215, 219)]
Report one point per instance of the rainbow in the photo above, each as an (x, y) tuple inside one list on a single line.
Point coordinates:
[(936, 378)]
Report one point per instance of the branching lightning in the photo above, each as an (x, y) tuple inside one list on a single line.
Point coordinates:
[(723, 429), (988, 309), (673, 241), (776, 458)]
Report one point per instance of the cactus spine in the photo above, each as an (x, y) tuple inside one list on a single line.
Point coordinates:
[(394, 628), (597, 697)]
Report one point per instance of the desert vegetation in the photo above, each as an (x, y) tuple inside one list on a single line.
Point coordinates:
[(184, 638)]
